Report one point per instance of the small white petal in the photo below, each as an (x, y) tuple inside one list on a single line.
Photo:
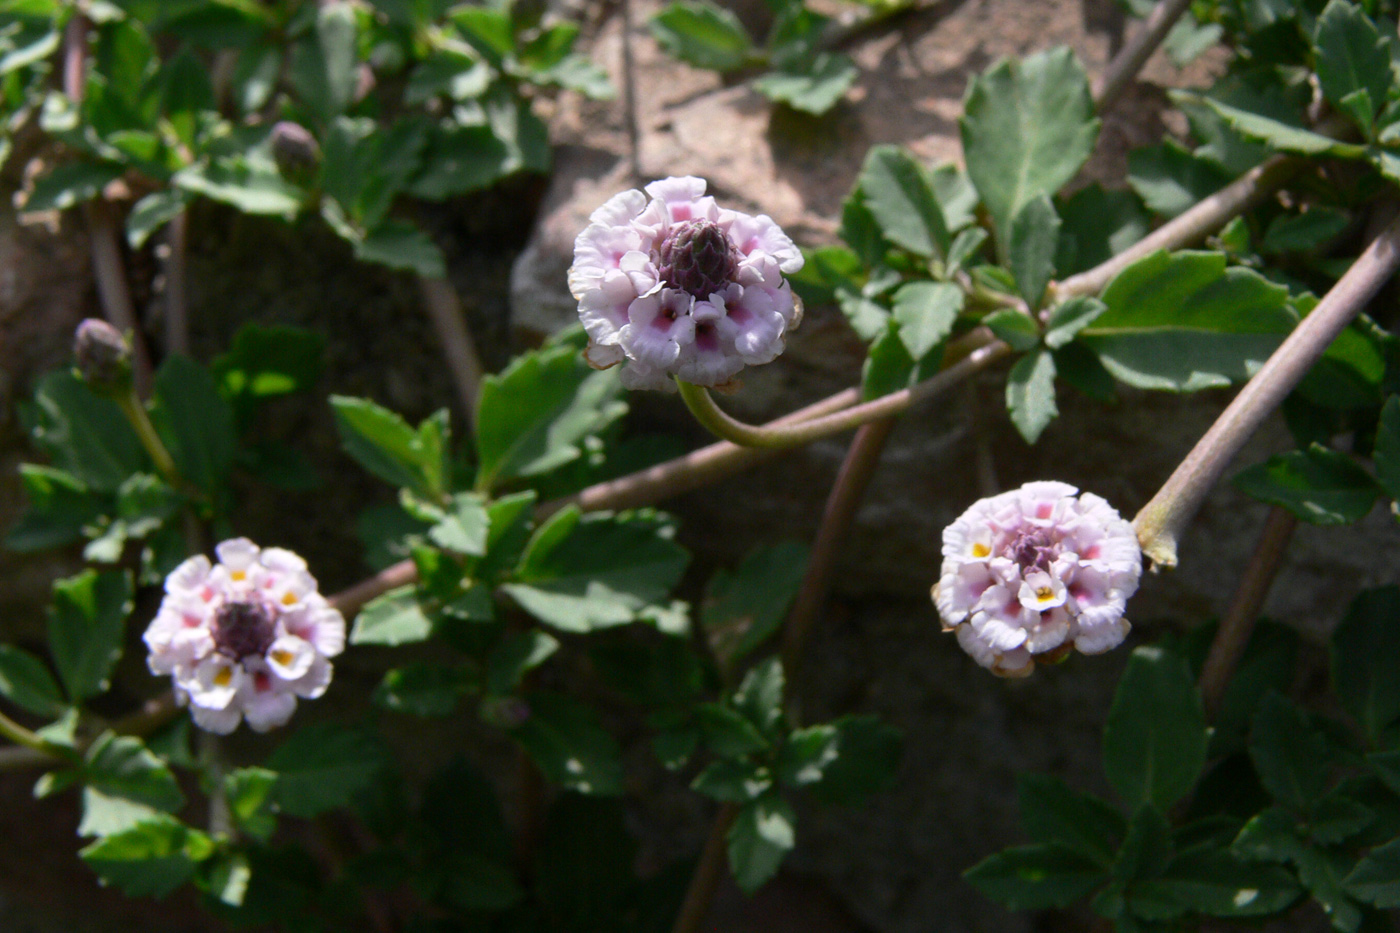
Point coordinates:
[(218, 721), (290, 657), (214, 682), (189, 577), (237, 553)]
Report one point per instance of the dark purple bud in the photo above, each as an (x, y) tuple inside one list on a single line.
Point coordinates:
[(103, 357), (242, 629), (295, 151), (697, 257)]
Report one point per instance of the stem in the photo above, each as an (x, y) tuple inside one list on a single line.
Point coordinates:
[(1130, 59), (1162, 520), (698, 400), (708, 872), (629, 95), (857, 469), (443, 306), (141, 422), (1238, 622), (29, 740), (211, 757), (177, 314), (349, 601), (1245, 192)]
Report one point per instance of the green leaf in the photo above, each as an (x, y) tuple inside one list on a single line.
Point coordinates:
[(465, 527), (461, 159), (152, 212), (1027, 128), (728, 732), (1014, 327), (1097, 224), (1036, 877), (759, 697), (1365, 655), (1376, 878), (249, 794), (423, 689), (247, 181), (1387, 448), (806, 753), (868, 752), (1218, 884), (762, 834), (534, 415), (899, 193), (1306, 231), (383, 443), (85, 436), (323, 767), (1319, 485), (1336, 818), (324, 69), (1035, 233), (869, 319), (703, 34), (85, 629), (1171, 180), (1055, 814), (1069, 318), (401, 245), (1184, 322), (27, 683), (583, 572), (197, 423), (105, 815), (1154, 744), (71, 184), (1283, 136), (268, 361), (1352, 56), (1290, 759), (122, 766), (1030, 394), (60, 509), (817, 87), (567, 741), (744, 609), (515, 657), (395, 618), (732, 781), (151, 859), (926, 312)]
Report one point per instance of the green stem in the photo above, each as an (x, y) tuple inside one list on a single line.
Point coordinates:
[(30, 740), (141, 422), (778, 437), (1162, 520)]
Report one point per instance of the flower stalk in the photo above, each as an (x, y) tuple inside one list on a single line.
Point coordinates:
[(1162, 520)]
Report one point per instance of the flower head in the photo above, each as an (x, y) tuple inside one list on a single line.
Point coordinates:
[(245, 637), (1030, 574), (671, 284)]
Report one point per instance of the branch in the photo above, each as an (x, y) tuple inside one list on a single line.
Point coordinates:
[(1130, 59), (177, 309), (1163, 519), (708, 872), (443, 306)]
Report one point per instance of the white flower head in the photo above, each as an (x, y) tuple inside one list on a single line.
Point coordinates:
[(669, 284), (1030, 574), (245, 637)]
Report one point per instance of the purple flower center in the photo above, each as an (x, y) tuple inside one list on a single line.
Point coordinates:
[(1034, 549), (241, 629), (697, 257)]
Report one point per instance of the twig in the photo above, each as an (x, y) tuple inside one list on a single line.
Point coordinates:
[(1238, 622), (1245, 192), (443, 306), (1162, 520), (349, 600), (177, 311), (862, 457), (1134, 55), (708, 872), (629, 95)]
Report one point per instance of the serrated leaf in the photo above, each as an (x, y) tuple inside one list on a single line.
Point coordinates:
[(86, 436), (704, 34), (1376, 878), (324, 66), (249, 794), (1030, 394), (465, 527), (60, 508), (395, 618), (743, 609), (1352, 56), (868, 753), (401, 245), (899, 193), (383, 443), (324, 766), (1365, 654), (1319, 485), (1285, 137), (1013, 327), (122, 766), (1154, 743), (762, 835), (728, 732), (732, 781), (515, 657), (1171, 180), (1218, 884), (70, 184), (1055, 814), (152, 212), (1027, 128), (584, 572), (569, 743), (1035, 233), (151, 859), (1069, 318), (197, 423), (86, 623), (815, 88), (1290, 759), (1036, 877), (926, 312), (27, 683)]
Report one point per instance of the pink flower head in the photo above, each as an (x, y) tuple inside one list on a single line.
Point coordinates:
[(1030, 574), (670, 284), (243, 638)]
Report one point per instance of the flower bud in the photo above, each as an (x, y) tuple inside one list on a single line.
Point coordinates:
[(1030, 574), (295, 151), (103, 357), (696, 257)]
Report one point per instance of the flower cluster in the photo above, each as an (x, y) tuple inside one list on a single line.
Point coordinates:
[(675, 285), (1030, 574), (245, 637)]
